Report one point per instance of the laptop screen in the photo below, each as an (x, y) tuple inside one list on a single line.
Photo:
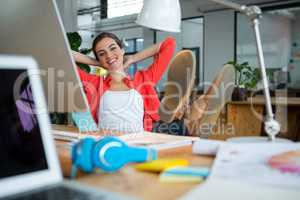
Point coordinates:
[(21, 146)]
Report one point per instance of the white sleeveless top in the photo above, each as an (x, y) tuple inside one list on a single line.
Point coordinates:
[(121, 111)]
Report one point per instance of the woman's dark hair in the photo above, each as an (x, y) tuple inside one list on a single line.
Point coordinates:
[(103, 35)]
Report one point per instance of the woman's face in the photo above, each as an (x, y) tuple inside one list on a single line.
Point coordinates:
[(110, 55)]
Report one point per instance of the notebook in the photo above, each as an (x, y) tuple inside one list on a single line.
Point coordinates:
[(29, 165)]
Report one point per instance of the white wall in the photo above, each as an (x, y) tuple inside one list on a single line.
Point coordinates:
[(148, 36), (160, 36), (218, 42), (189, 9), (192, 37), (129, 33), (192, 32)]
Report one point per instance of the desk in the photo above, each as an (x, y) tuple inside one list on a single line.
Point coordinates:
[(142, 185), (246, 116)]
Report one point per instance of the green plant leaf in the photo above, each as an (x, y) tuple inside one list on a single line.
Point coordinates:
[(231, 63), (75, 43), (84, 67), (246, 75), (85, 51), (74, 40)]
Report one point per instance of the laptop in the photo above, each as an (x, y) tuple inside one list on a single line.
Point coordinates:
[(29, 166)]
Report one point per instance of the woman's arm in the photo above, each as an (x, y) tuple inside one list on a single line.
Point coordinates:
[(84, 59), (142, 55), (161, 60)]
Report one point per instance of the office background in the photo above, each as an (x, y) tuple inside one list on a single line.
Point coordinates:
[(216, 34)]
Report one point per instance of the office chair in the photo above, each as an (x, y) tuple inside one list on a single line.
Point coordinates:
[(201, 117), (178, 88)]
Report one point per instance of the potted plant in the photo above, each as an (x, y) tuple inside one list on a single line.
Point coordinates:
[(246, 79), (75, 43)]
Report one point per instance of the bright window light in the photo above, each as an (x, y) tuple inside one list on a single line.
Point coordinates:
[(117, 8)]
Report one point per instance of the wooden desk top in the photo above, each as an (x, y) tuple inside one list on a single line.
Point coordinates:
[(138, 184), (144, 185), (290, 101)]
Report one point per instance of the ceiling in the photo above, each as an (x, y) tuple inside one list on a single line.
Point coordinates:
[(86, 4), (204, 5)]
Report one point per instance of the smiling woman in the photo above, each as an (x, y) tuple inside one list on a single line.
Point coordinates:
[(118, 102), (108, 50)]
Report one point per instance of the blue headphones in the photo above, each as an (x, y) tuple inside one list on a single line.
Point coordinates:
[(109, 154)]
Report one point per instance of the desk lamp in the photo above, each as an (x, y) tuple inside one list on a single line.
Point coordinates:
[(272, 127), (165, 15)]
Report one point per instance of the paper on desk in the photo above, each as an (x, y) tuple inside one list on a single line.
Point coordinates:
[(248, 163), (216, 189), (240, 172), (157, 140), (206, 146), (145, 139), (72, 136)]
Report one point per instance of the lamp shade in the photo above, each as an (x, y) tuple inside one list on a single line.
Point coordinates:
[(164, 15)]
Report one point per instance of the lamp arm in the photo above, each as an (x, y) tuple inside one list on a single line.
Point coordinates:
[(261, 62), (229, 4), (253, 12), (272, 127)]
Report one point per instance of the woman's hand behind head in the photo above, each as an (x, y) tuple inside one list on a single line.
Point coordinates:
[(128, 60)]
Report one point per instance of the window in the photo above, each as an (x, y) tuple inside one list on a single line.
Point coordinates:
[(117, 8), (132, 47), (190, 37), (280, 34), (196, 51)]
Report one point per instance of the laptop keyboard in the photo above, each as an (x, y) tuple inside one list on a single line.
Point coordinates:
[(60, 192)]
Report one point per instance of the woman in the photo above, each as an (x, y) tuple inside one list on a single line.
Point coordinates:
[(81, 58), (117, 102)]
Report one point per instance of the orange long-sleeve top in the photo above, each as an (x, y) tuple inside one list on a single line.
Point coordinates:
[(144, 82)]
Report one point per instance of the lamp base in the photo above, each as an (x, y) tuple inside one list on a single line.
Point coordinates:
[(256, 139)]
